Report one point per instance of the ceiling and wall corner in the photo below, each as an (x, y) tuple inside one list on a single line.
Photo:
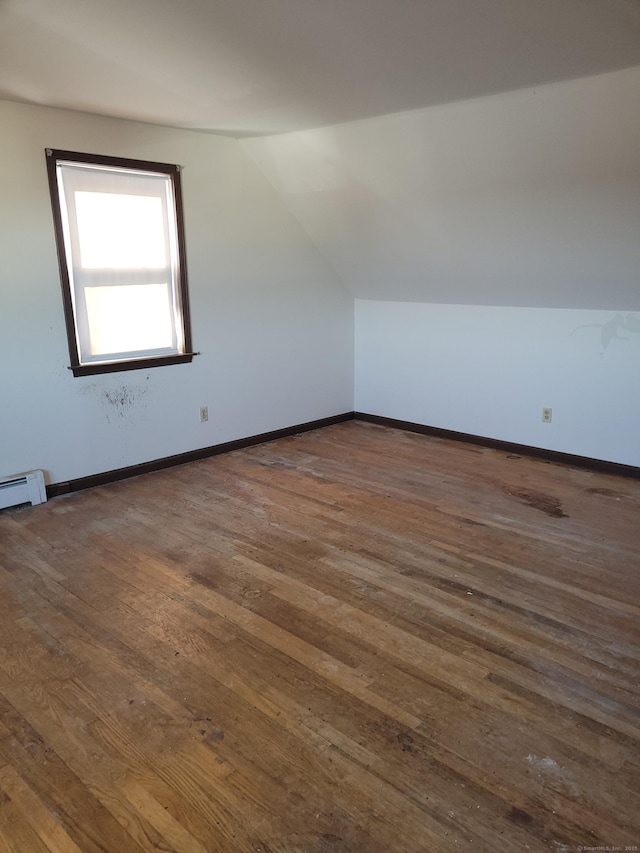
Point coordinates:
[(256, 67), (527, 198), (492, 249)]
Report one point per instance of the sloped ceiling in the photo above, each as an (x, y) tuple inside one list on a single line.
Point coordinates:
[(528, 199), (257, 67)]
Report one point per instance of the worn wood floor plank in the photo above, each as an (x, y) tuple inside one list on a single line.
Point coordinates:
[(353, 640)]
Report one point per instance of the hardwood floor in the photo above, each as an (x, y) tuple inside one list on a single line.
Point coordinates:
[(356, 639)]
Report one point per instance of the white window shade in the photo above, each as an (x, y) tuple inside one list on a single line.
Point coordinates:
[(118, 231), (129, 318)]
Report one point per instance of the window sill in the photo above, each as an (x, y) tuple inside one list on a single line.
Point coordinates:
[(133, 364)]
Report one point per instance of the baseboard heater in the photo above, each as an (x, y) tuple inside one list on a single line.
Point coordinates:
[(22, 488)]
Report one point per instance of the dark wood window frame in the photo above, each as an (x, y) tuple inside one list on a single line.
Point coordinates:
[(86, 368)]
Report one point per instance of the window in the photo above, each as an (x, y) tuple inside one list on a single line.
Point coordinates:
[(120, 241)]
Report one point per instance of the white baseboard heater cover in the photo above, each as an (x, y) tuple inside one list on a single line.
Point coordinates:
[(22, 488)]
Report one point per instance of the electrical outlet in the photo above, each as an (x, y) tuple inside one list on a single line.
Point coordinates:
[(546, 416), (204, 414)]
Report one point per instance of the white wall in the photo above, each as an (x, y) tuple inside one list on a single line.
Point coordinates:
[(273, 324), (475, 237), (489, 371), (460, 214)]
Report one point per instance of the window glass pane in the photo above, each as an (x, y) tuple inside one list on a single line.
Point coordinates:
[(120, 231), (129, 317)]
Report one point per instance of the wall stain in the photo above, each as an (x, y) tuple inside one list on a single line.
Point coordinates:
[(118, 401), (122, 398), (610, 330)]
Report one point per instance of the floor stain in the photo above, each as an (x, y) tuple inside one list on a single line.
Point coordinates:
[(549, 774), (203, 580), (609, 493), (519, 816), (406, 741), (545, 503)]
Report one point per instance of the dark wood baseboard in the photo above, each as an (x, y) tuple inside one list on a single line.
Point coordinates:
[(509, 447), (204, 452), (190, 456)]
